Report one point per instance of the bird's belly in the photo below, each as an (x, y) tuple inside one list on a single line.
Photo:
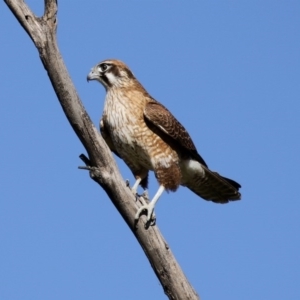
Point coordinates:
[(140, 145), (135, 142), (130, 144)]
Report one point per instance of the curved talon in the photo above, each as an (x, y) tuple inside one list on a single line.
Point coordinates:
[(152, 221), (149, 208), (150, 212)]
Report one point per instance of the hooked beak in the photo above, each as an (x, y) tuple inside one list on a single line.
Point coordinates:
[(92, 76)]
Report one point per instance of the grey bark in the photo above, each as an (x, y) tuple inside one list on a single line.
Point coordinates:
[(101, 164)]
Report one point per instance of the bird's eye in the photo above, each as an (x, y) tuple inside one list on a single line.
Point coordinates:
[(103, 67)]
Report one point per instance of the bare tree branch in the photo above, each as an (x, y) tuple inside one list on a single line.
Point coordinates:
[(101, 164)]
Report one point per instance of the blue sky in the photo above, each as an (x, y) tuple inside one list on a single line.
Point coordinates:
[(230, 72)]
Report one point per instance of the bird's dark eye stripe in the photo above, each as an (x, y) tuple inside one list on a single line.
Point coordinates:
[(105, 79)]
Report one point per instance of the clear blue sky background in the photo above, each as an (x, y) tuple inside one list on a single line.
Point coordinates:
[(230, 72)]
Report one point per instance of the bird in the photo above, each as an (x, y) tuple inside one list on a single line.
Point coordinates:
[(145, 134)]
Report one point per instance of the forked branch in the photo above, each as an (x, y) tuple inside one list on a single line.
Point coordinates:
[(42, 31)]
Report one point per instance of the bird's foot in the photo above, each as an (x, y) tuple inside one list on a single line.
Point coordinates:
[(133, 189), (147, 209)]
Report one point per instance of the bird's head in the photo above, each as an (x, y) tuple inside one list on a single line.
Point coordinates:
[(111, 73)]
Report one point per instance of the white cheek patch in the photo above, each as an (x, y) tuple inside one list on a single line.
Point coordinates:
[(111, 78)]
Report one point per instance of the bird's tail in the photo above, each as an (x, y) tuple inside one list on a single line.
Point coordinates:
[(213, 187)]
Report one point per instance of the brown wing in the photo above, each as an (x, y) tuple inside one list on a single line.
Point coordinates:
[(211, 186), (164, 121)]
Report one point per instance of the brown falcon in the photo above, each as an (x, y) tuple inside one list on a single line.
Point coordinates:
[(147, 136)]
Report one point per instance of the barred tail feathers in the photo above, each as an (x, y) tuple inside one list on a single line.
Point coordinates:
[(209, 185)]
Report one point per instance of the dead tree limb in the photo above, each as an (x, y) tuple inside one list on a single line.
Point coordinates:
[(103, 169)]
